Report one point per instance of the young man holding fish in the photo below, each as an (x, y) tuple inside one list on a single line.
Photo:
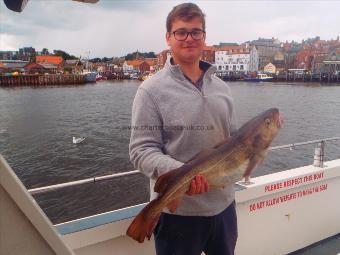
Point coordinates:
[(177, 113)]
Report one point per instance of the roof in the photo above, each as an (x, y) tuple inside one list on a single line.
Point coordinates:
[(223, 44), (48, 65), (13, 61), (151, 61), (235, 49), (266, 42), (71, 61), (34, 66), (135, 62), (15, 65), (57, 60), (212, 48), (269, 64)]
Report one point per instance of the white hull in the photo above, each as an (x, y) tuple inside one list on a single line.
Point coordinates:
[(277, 214), (267, 223)]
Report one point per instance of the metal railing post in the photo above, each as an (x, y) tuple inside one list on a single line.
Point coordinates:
[(319, 154)]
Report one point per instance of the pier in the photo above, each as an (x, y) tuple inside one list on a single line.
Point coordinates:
[(42, 80), (290, 77)]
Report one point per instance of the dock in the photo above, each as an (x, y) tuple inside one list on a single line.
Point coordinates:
[(41, 80)]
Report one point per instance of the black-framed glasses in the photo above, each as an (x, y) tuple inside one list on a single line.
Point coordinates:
[(182, 35)]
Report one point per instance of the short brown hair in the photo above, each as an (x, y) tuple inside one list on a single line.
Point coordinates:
[(186, 12)]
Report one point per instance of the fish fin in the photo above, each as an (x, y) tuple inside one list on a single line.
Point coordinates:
[(144, 224), (163, 180), (172, 206), (253, 162)]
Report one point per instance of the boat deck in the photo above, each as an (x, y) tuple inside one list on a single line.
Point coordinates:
[(329, 246)]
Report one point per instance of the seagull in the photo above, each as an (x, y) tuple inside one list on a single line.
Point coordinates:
[(78, 140)]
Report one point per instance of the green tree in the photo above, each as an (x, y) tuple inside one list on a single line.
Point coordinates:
[(45, 51), (132, 56), (63, 54)]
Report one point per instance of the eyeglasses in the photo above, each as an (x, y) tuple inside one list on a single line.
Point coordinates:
[(182, 35)]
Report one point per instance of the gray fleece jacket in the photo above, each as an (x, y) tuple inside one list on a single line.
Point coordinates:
[(172, 120)]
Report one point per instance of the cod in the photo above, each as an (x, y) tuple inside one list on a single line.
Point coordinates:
[(227, 162)]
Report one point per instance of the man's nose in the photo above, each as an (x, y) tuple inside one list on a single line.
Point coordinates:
[(189, 37)]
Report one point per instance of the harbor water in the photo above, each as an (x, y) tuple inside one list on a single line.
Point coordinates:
[(37, 125)]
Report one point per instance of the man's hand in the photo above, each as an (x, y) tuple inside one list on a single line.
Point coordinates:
[(198, 185)]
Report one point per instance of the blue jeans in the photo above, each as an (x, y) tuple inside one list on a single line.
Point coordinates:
[(190, 235)]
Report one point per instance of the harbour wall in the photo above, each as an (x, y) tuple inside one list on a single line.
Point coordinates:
[(42, 80)]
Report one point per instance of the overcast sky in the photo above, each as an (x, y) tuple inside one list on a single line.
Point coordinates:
[(115, 28)]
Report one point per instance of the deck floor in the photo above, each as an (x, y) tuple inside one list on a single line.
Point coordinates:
[(329, 246)]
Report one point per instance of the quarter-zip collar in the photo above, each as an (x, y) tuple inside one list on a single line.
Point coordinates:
[(178, 74)]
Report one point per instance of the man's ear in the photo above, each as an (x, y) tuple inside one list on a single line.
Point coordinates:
[(167, 38)]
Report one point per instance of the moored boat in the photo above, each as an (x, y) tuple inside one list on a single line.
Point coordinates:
[(90, 76), (259, 77), (99, 77)]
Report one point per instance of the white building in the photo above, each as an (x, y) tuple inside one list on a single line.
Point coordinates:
[(232, 62), (127, 68), (254, 60), (240, 58)]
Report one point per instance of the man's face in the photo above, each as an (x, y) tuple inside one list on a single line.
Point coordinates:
[(189, 50)]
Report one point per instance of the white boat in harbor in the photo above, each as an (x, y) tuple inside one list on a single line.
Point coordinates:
[(260, 77), (277, 214)]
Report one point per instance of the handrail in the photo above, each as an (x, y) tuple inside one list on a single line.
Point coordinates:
[(293, 145), (113, 176), (80, 182)]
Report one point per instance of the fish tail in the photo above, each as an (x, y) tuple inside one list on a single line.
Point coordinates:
[(145, 222)]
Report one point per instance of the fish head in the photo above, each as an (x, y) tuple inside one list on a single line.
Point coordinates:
[(266, 128)]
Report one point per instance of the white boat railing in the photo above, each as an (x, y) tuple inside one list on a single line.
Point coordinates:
[(318, 162)]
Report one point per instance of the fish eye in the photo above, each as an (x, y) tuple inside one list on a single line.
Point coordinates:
[(267, 121)]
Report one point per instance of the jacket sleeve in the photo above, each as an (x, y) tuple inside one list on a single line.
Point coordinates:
[(146, 143)]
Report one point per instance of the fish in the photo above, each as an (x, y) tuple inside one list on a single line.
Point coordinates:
[(226, 163)]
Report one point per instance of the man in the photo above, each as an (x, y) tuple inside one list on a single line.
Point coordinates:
[(178, 112)]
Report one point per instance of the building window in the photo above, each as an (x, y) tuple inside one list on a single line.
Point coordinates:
[(227, 68), (220, 68), (241, 67), (234, 67)]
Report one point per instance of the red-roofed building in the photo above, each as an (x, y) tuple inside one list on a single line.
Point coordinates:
[(152, 62), (208, 54), (162, 57), (137, 65), (34, 68), (56, 60)]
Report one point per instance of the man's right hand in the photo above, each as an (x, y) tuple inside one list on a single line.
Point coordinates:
[(198, 185)]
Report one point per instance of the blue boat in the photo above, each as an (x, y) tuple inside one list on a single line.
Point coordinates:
[(90, 76)]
